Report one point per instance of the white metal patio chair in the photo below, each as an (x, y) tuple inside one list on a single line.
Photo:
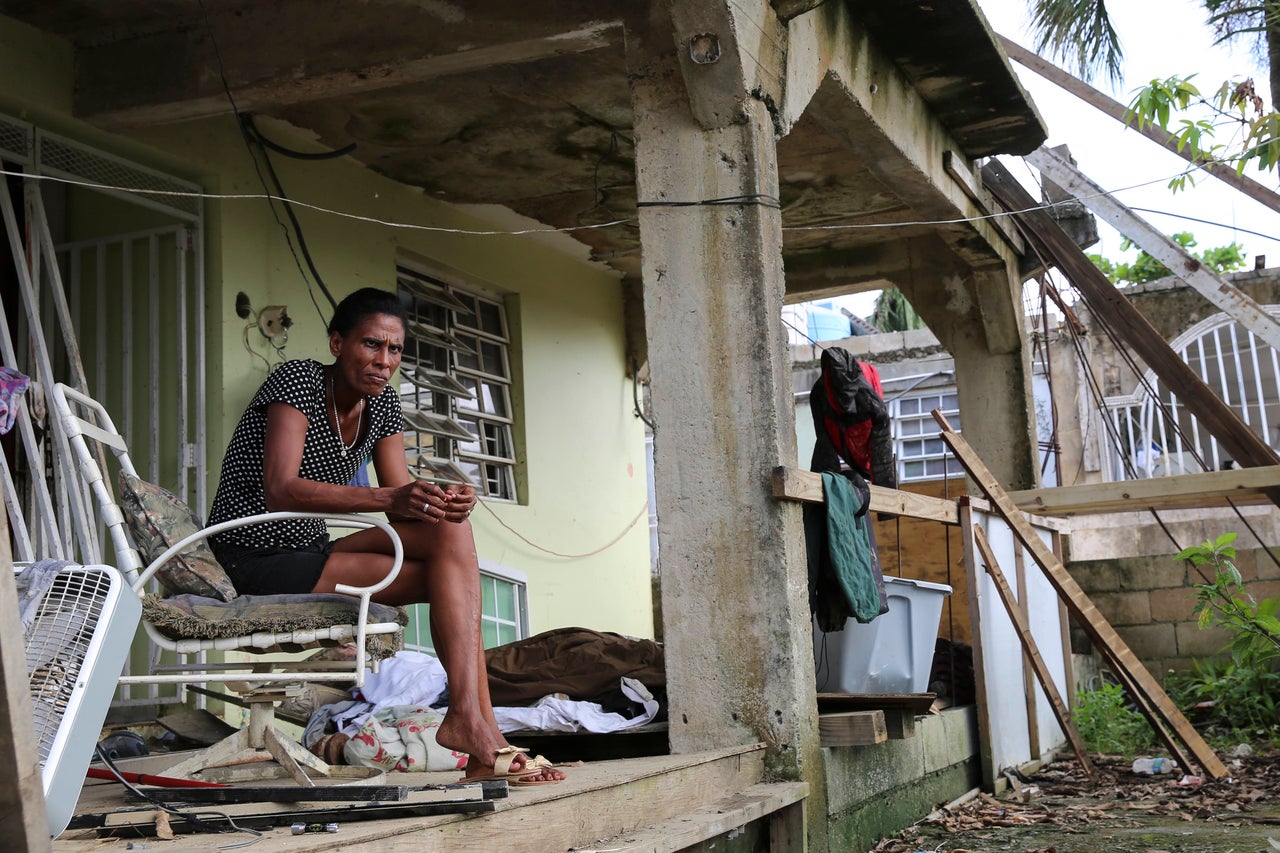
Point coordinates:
[(260, 684)]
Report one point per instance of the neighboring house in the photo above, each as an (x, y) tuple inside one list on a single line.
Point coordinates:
[(690, 151)]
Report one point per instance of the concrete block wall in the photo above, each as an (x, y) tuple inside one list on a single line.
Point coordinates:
[(1150, 600), (875, 791)]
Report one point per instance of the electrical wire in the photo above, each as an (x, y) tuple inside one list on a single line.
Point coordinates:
[(192, 817), (614, 541), (248, 143), (252, 129)]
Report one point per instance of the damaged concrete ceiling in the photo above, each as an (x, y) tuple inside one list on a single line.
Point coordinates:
[(525, 105)]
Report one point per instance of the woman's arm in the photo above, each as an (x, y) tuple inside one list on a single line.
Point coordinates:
[(392, 469), (399, 498)]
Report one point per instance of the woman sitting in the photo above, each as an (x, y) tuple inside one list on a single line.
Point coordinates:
[(298, 445)]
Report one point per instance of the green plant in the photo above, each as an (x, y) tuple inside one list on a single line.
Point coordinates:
[(1242, 692), (1226, 603), (1146, 268), (1109, 724)]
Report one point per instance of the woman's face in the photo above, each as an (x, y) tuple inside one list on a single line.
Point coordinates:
[(366, 356)]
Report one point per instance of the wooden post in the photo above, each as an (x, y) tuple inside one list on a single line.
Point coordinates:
[(23, 822), (1048, 238), (1204, 280), (1119, 112), (1032, 652), (1157, 705)]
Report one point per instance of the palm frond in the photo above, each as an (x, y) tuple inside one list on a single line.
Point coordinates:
[(1078, 33)]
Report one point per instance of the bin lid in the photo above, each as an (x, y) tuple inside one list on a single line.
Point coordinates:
[(935, 587)]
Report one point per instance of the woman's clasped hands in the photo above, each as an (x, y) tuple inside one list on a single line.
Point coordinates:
[(431, 502)]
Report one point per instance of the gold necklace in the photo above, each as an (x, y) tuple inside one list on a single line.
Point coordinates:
[(333, 394)]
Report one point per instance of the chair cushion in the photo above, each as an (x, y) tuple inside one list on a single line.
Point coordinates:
[(194, 617), (157, 519)]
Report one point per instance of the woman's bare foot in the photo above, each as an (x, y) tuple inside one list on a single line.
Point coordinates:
[(482, 742)]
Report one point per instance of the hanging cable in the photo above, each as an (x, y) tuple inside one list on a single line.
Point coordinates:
[(288, 209), (249, 146)]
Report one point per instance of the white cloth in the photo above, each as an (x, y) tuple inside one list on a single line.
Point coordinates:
[(417, 679), (407, 678), (553, 714)]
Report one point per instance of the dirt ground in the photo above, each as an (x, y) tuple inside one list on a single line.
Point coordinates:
[(1058, 811)]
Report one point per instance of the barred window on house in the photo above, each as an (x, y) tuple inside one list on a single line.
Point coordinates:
[(920, 453), (455, 385)]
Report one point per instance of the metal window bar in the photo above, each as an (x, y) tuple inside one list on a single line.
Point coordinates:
[(47, 541), (1228, 358)]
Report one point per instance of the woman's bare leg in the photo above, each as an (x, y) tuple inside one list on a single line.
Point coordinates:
[(441, 569)]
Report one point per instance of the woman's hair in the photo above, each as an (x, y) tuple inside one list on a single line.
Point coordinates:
[(366, 302)]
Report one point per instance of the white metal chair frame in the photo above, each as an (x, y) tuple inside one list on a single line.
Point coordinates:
[(252, 679)]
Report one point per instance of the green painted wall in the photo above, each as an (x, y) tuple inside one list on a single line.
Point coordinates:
[(582, 470)]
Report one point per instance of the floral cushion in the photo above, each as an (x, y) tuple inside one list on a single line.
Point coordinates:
[(157, 519), (192, 617)]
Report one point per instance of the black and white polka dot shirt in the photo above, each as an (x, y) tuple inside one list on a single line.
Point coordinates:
[(301, 384)]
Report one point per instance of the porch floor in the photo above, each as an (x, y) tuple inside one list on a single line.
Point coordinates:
[(654, 803)]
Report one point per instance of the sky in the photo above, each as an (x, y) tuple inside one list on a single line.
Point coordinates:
[(1136, 170)]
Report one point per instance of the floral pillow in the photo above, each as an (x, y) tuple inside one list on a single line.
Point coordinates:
[(157, 519)]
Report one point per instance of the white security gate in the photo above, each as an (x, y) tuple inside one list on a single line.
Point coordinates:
[(1162, 437), (120, 316)]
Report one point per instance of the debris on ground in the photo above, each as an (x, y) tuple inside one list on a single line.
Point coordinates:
[(1057, 810)]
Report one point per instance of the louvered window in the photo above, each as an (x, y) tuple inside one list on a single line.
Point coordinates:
[(455, 385)]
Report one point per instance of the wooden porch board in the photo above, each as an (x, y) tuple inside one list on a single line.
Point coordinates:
[(852, 728), (765, 800), (597, 800)]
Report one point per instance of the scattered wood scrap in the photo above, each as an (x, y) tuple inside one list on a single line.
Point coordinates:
[(1069, 803), (262, 807)]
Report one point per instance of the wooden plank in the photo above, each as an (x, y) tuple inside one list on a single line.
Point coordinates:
[(261, 816), (900, 724), (23, 821), (916, 702), (703, 824), (852, 728), (1019, 618), (1118, 111), (806, 486), (1213, 488), (1082, 609), (1028, 672), (1105, 300), (1213, 287), (973, 582), (787, 830)]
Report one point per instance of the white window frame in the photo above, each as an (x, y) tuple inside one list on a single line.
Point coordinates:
[(905, 437), (453, 433), (418, 634)]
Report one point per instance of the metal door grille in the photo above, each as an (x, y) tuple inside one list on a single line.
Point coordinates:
[(1159, 436)]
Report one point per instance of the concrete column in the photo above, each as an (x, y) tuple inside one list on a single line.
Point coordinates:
[(977, 316), (734, 582)]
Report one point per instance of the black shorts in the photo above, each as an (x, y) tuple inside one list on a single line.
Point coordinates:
[(272, 571)]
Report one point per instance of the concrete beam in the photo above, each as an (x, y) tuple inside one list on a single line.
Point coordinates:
[(739, 663), (865, 102), (993, 374), (729, 52)]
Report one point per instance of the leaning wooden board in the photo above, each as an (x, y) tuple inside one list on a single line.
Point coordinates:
[(1157, 705), (1032, 652)]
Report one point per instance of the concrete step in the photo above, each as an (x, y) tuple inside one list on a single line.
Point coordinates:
[(781, 802)]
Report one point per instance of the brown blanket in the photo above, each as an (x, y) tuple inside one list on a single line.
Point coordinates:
[(579, 662)]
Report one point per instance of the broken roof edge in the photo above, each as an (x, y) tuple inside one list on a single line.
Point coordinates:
[(953, 58)]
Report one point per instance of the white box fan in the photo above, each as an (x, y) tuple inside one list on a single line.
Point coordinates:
[(76, 649)]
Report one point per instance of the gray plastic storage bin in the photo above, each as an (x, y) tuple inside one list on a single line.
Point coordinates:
[(890, 654)]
